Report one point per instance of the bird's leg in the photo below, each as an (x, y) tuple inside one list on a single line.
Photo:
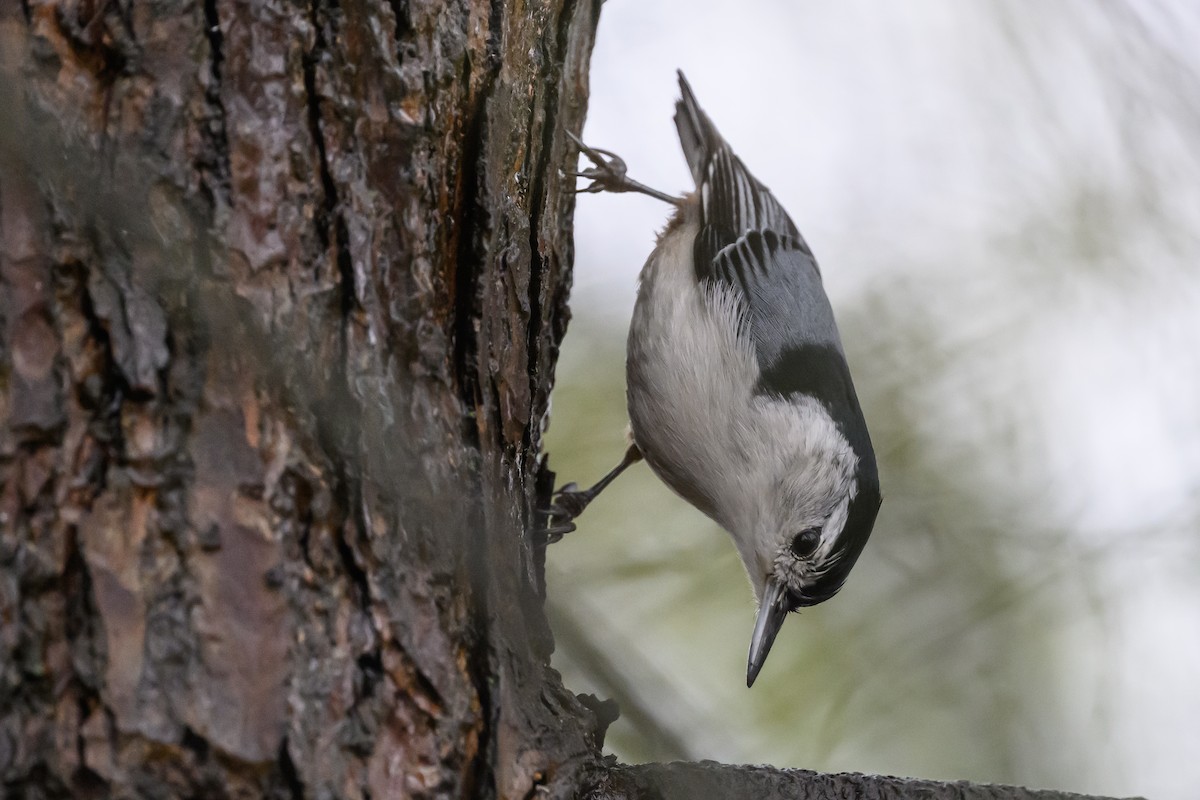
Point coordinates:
[(608, 174), (570, 501)]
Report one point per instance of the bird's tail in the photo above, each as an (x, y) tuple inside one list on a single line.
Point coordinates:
[(730, 197), (697, 134)]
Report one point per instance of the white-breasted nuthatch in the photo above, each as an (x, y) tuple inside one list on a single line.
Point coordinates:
[(739, 394)]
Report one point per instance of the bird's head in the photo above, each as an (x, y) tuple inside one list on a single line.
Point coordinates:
[(816, 499)]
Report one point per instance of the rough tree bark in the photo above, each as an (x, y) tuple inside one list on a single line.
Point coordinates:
[(281, 288)]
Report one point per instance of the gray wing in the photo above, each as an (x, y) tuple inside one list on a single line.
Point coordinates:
[(750, 244), (786, 305)]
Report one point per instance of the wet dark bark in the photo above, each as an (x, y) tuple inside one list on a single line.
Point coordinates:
[(281, 289)]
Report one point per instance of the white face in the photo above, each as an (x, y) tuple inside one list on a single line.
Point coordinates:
[(801, 486), (802, 554)]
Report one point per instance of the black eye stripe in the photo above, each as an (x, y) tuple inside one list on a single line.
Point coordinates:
[(805, 542)]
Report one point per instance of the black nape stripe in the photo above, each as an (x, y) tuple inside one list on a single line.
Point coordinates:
[(821, 372)]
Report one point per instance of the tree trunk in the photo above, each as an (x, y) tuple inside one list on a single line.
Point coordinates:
[(282, 290), (282, 287)]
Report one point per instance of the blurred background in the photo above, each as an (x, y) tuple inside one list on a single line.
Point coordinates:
[(1005, 201)]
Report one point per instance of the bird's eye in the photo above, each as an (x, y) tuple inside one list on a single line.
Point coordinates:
[(805, 542)]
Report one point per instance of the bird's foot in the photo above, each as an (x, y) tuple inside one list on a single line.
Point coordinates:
[(570, 501), (608, 174), (567, 504)]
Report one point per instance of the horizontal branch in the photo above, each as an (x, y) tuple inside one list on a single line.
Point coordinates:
[(685, 781)]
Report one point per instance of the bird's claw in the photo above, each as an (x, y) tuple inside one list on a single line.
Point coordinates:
[(608, 174), (570, 501), (567, 504), (555, 533)]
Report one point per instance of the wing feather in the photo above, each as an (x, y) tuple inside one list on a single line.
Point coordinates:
[(784, 300), (748, 243)]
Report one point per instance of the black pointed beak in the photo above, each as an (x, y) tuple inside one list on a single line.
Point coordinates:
[(771, 613)]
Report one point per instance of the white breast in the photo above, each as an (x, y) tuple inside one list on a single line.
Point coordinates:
[(690, 377)]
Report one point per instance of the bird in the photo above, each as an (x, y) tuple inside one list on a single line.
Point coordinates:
[(739, 393)]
